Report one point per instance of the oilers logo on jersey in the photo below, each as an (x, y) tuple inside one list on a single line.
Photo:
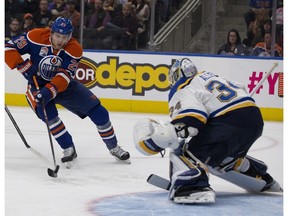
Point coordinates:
[(48, 66)]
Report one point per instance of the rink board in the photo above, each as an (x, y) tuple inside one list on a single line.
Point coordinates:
[(137, 82), (158, 107)]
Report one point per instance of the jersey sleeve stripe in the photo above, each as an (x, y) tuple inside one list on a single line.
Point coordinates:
[(243, 102), (198, 116)]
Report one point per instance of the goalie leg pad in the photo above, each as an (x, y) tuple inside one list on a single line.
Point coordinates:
[(189, 182), (249, 174)]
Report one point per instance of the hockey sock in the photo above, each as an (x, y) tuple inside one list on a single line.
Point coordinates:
[(100, 116), (58, 130)]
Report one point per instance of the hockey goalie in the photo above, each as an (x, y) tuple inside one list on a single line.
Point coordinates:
[(214, 122)]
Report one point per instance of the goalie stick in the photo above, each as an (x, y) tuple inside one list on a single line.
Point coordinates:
[(275, 64), (158, 181), (38, 154)]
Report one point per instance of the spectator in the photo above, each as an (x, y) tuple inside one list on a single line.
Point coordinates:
[(258, 12), (11, 10), (264, 48), (254, 7), (43, 16), (97, 17), (112, 7), (30, 6), (233, 46), (94, 23), (28, 23), (279, 23), (259, 36), (14, 29), (122, 33), (57, 7), (89, 5), (142, 15), (72, 14)]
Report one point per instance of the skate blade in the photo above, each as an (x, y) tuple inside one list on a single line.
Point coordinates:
[(123, 161), (275, 187), (70, 164), (200, 197)]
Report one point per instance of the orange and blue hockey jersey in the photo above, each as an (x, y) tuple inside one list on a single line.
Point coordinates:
[(50, 65)]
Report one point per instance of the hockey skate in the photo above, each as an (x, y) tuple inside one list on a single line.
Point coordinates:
[(271, 184), (69, 154), (190, 195), (120, 155)]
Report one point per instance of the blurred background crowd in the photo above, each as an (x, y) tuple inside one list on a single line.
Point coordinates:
[(224, 27)]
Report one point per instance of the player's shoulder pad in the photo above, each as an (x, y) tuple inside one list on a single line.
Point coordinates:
[(74, 49), (39, 36)]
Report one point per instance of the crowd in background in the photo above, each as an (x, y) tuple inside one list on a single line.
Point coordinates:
[(125, 24), (258, 39), (108, 24)]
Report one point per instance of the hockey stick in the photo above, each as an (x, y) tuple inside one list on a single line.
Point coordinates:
[(51, 173), (38, 154), (158, 181), (275, 64)]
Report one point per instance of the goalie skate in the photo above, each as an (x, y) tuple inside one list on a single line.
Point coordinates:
[(272, 187), (202, 195), (120, 155)]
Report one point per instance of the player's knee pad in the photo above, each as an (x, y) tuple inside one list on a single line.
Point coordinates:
[(99, 115)]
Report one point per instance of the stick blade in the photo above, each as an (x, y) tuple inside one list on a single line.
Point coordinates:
[(159, 182), (53, 173)]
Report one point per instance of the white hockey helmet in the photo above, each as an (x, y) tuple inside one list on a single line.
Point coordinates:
[(181, 68)]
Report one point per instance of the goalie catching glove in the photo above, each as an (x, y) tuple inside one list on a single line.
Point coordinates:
[(152, 137)]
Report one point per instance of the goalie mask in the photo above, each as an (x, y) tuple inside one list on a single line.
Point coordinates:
[(152, 137), (181, 68)]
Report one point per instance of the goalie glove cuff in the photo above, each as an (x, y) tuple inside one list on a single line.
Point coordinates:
[(184, 132)]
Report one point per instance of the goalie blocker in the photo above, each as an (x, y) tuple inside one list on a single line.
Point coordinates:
[(189, 176)]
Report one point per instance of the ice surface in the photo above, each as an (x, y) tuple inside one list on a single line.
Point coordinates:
[(98, 185)]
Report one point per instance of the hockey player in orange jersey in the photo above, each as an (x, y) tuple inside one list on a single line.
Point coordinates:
[(54, 57)]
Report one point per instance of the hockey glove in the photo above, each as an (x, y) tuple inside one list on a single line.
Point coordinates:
[(183, 131), (26, 69), (45, 94)]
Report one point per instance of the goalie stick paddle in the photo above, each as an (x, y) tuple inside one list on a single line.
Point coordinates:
[(51, 172), (158, 181)]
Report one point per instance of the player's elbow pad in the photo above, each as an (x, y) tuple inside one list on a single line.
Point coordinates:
[(61, 81)]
